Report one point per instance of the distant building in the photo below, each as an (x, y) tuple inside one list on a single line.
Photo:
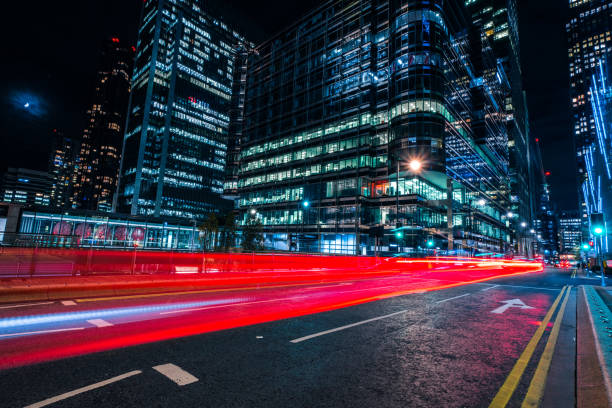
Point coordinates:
[(176, 142), (61, 169), (97, 163), (589, 33), (570, 232), (27, 187)]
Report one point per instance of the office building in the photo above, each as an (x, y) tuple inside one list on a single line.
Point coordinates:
[(176, 140), (597, 180), (570, 232), (497, 21), (589, 34), (26, 187), (97, 163), (61, 169), (375, 126)]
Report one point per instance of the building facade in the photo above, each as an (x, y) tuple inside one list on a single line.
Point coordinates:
[(497, 21), (26, 187), (570, 232), (97, 163), (597, 181), (589, 33), (61, 169), (375, 126), (175, 142)]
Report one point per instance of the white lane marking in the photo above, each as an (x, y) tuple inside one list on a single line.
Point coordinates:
[(25, 305), (456, 297), (40, 332), (99, 322), (228, 305), (78, 391), (489, 288), (68, 303), (176, 374), (348, 326), (522, 287)]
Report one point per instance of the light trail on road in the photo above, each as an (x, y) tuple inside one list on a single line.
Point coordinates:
[(33, 338)]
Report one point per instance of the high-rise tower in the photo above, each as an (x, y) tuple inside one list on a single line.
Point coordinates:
[(589, 33), (175, 144), (97, 163)]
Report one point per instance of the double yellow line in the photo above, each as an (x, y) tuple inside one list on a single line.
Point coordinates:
[(536, 387)]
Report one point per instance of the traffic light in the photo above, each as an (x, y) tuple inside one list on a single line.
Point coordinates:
[(399, 234), (597, 224), (430, 243), (586, 246)]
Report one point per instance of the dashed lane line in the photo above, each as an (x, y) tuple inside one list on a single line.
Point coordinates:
[(348, 326), (455, 297), (99, 323), (176, 374), (489, 288), (68, 303), (78, 391), (39, 332), (25, 305)]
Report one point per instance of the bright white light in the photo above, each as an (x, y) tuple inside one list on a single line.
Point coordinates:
[(26, 105), (510, 214), (532, 231), (253, 211), (415, 165), (523, 224), (481, 202)]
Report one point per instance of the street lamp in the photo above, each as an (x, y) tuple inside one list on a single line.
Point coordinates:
[(523, 224), (253, 211), (510, 214), (415, 165), (481, 202)]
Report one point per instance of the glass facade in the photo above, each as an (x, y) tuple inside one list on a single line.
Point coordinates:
[(589, 33), (47, 229), (340, 106), (176, 141), (96, 169)]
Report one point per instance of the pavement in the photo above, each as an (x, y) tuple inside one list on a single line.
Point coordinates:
[(403, 340)]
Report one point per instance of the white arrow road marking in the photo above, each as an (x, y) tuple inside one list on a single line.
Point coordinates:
[(176, 374), (99, 322), (511, 303)]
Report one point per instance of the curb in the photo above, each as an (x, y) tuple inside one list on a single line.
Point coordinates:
[(594, 349)]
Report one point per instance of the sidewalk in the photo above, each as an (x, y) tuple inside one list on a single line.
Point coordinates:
[(594, 347)]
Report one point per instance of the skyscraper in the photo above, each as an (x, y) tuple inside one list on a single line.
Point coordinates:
[(371, 125), (61, 169), (497, 21), (570, 232), (97, 163), (175, 144), (589, 33)]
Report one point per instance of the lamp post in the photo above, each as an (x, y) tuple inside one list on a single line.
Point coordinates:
[(598, 231)]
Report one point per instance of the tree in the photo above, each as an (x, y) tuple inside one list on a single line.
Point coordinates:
[(210, 229), (252, 234), (229, 231)]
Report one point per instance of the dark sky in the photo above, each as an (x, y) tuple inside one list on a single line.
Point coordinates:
[(50, 56)]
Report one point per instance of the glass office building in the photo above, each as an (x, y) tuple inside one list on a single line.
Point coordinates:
[(96, 168), (589, 33), (175, 143), (369, 126)]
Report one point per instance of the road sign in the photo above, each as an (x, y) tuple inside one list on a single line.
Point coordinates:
[(511, 303)]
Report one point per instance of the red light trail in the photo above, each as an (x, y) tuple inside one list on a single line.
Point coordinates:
[(332, 283)]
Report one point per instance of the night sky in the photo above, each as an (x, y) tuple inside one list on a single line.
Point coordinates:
[(50, 56)]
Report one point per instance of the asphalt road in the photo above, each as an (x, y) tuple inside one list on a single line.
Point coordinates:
[(451, 347)]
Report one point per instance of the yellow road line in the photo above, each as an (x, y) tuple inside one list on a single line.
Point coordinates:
[(536, 388), (507, 389), (187, 292)]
